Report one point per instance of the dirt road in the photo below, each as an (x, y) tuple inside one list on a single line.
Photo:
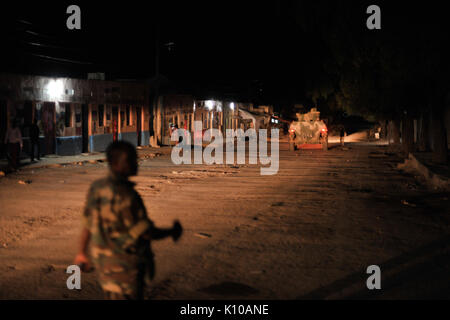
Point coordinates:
[(308, 232)]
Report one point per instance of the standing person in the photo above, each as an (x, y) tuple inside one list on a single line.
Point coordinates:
[(342, 135), (116, 222), (34, 141), (174, 133), (179, 137), (14, 141)]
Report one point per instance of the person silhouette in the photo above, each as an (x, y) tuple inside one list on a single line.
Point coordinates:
[(116, 224)]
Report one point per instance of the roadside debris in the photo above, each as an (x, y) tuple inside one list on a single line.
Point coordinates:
[(257, 271), (151, 155), (55, 165), (278, 204), (49, 268), (376, 155), (409, 204), (24, 181), (203, 235), (411, 186)]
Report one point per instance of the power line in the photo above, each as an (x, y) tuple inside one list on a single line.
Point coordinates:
[(24, 22), (60, 60), (39, 34), (36, 44)]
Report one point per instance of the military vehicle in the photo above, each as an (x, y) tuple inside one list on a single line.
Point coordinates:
[(308, 132)]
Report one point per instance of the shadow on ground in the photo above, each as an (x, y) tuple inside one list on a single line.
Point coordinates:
[(419, 274)]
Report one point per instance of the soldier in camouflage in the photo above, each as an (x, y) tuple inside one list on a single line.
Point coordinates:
[(115, 221)]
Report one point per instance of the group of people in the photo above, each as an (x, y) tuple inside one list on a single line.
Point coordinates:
[(14, 143)]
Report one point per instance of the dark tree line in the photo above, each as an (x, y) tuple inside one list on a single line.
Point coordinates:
[(396, 75)]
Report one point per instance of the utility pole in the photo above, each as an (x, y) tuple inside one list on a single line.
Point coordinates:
[(156, 84)]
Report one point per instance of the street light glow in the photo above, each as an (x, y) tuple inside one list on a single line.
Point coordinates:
[(55, 88), (209, 104)]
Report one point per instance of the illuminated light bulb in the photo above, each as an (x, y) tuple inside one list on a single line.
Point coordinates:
[(210, 104), (55, 88)]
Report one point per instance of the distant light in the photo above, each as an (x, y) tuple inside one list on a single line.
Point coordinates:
[(194, 105), (232, 105), (55, 88), (210, 104)]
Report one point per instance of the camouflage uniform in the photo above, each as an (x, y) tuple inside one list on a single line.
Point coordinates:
[(116, 218)]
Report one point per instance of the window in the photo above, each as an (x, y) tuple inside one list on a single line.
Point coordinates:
[(68, 116), (101, 114)]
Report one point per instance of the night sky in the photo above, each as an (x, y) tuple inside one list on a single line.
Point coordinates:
[(269, 51)]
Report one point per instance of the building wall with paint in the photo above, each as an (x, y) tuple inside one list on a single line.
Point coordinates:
[(183, 110), (75, 115)]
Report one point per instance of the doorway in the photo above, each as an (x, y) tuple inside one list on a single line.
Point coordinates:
[(48, 126), (3, 126), (139, 125), (85, 128), (115, 123)]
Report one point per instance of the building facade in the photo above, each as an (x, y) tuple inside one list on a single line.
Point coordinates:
[(184, 110), (85, 115), (75, 115)]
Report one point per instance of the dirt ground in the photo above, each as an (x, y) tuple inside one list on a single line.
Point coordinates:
[(308, 232)]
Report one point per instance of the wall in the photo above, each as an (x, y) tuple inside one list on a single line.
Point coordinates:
[(24, 90)]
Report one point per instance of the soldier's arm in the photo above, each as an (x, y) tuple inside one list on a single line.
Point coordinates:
[(159, 233), (84, 240), (155, 233), (81, 258)]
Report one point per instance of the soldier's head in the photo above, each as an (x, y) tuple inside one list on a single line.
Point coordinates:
[(122, 158)]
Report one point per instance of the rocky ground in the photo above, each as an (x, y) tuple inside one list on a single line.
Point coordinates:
[(308, 232)]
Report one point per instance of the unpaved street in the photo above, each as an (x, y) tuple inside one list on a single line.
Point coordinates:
[(308, 232)]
